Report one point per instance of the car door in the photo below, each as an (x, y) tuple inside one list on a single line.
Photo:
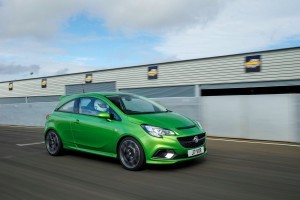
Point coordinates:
[(63, 117), (91, 132)]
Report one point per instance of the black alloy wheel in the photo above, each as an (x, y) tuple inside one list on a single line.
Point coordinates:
[(131, 154), (53, 143)]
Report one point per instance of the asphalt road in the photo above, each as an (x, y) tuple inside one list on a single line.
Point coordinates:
[(231, 170)]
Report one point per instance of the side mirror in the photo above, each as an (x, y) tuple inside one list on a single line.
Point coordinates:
[(104, 115)]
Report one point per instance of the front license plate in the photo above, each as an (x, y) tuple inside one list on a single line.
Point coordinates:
[(194, 152)]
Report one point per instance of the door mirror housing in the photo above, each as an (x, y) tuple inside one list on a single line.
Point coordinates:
[(104, 115)]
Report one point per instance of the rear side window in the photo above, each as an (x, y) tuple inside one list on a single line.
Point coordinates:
[(68, 107)]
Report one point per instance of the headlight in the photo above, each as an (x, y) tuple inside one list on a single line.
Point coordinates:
[(156, 131), (199, 125)]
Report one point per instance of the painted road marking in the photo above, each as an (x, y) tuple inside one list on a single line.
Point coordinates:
[(255, 142), (28, 144), (20, 126)]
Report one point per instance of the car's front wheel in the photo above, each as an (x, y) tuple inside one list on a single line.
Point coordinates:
[(53, 143), (131, 154)]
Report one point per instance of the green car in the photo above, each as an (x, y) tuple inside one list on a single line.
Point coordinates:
[(131, 128)]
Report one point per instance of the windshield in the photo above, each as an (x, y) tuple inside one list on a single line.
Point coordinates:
[(132, 104)]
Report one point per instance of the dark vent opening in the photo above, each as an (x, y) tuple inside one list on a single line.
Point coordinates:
[(252, 91), (186, 127)]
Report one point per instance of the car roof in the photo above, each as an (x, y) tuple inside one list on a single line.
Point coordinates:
[(66, 98)]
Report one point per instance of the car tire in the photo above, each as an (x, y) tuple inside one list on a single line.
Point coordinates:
[(53, 143), (131, 154)]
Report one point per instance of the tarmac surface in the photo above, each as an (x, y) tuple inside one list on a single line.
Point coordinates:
[(231, 170)]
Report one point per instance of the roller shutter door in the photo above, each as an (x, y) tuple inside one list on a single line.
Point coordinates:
[(158, 92), (12, 100), (91, 87)]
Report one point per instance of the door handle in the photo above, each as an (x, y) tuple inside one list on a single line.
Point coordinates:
[(77, 121)]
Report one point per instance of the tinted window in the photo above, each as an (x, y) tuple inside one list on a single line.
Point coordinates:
[(93, 106), (86, 106), (68, 107), (85, 102)]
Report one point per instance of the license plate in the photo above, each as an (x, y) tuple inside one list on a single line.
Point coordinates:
[(194, 152)]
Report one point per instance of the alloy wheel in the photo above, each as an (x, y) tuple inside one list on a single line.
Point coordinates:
[(131, 154), (53, 143)]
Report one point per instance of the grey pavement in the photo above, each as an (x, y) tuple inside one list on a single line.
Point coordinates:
[(230, 171)]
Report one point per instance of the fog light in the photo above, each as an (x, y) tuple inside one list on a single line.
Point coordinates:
[(164, 154), (169, 155)]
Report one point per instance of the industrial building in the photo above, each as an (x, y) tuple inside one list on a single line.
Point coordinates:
[(250, 95)]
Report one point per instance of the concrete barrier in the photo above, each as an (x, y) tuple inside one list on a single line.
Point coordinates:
[(26, 114), (263, 117)]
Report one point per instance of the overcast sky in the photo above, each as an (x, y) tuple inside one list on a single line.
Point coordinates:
[(49, 37)]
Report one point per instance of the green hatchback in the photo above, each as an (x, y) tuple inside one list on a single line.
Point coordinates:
[(129, 127)]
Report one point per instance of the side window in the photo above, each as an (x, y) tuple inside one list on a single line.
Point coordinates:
[(101, 106), (85, 107), (84, 102), (92, 106), (68, 107)]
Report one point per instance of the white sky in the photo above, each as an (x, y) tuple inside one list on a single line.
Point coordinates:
[(32, 31)]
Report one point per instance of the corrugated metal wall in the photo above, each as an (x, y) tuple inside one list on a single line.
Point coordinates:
[(276, 65)]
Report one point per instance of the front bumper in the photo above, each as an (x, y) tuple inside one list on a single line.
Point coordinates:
[(153, 145), (174, 160)]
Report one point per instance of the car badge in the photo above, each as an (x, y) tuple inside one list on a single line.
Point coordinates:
[(196, 140)]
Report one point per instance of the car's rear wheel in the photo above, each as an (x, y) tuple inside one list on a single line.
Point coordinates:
[(131, 154), (53, 143)]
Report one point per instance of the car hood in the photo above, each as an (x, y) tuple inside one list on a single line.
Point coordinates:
[(169, 120)]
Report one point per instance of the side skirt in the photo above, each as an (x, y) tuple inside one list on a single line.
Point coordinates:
[(112, 155)]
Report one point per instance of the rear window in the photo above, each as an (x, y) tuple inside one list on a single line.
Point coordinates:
[(68, 107)]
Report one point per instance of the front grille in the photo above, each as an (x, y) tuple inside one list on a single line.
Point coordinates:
[(189, 142)]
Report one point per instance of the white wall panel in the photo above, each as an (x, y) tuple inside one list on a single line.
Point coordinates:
[(264, 117)]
